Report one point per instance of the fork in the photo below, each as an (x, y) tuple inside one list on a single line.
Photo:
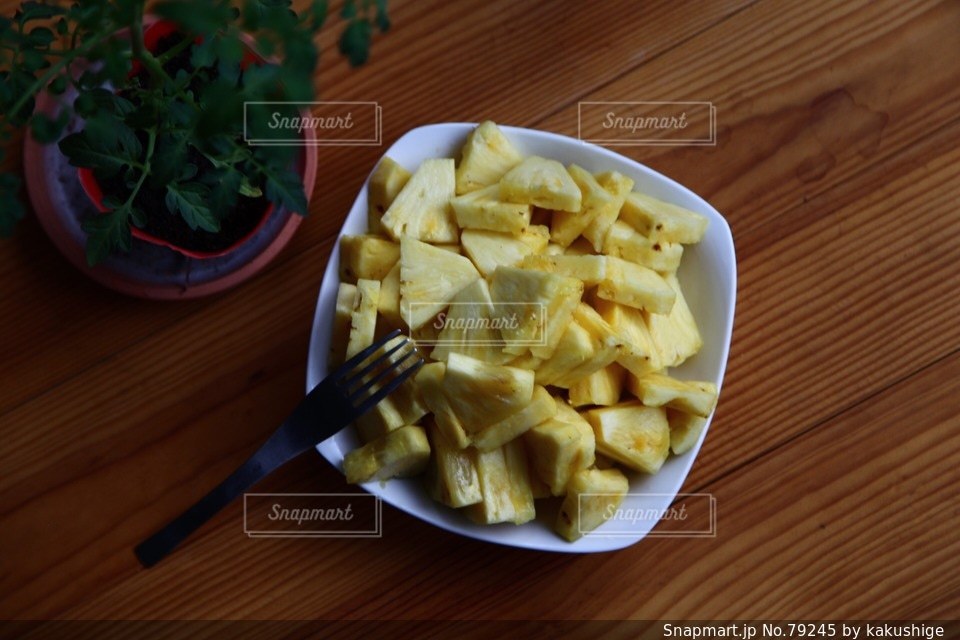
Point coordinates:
[(340, 398)]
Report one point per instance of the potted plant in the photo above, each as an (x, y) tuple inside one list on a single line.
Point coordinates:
[(148, 117)]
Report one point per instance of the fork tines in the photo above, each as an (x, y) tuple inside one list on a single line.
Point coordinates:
[(377, 371)]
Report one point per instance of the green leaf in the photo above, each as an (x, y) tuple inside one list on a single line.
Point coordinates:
[(45, 129), (39, 11), (196, 17), (355, 42), (224, 191), (318, 14), (189, 201), (107, 232), (40, 36), (383, 20), (285, 188), (58, 85), (106, 143), (349, 10)]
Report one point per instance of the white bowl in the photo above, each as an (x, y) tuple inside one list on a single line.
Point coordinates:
[(708, 275)]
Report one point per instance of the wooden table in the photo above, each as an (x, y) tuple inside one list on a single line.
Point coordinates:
[(834, 455)]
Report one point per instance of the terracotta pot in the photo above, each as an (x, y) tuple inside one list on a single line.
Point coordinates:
[(63, 196)]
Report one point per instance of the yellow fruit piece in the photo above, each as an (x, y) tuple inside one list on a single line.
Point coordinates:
[(619, 186), (389, 303), (593, 497), (485, 157), (480, 393), (657, 254), (542, 407), (490, 249), (637, 352), (541, 182), (675, 335), (591, 270), (340, 333), (422, 208), (454, 471), (385, 183), (429, 382), (402, 452), (363, 319), (470, 327), (659, 390), (632, 434), (668, 222), (685, 430), (588, 345), (403, 406), (567, 226), (559, 447), (602, 387), (483, 209), (636, 286), (542, 304), (367, 257), (505, 483), (430, 278)]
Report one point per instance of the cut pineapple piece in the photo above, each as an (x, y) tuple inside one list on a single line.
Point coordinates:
[(665, 221), (455, 471), (619, 186), (485, 157), (368, 257), (576, 347), (505, 484), (483, 209), (658, 390), (637, 352), (542, 407), (542, 304), (541, 182), (470, 327), (588, 345), (429, 382), (422, 208), (430, 278), (685, 430), (591, 270), (636, 286), (566, 226), (560, 446), (480, 393), (489, 249), (675, 336), (385, 183), (526, 361), (593, 496), (602, 387), (400, 453), (363, 319), (340, 333), (657, 254), (389, 304), (403, 406), (632, 434)]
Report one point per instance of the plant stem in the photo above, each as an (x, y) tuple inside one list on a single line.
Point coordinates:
[(151, 145)]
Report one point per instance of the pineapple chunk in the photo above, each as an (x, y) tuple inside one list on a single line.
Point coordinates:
[(482, 209), (675, 336), (576, 347), (485, 157), (430, 278), (505, 483), (400, 453), (480, 393), (489, 249), (389, 304), (592, 498), (591, 270), (657, 254), (636, 286), (455, 471), (385, 183), (658, 390), (542, 407), (543, 304), (363, 319), (560, 447), (602, 387), (429, 382), (588, 345), (619, 186), (470, 327), (554, 250), (637, 352), (665, 221), (685, 430), (632, 434), (403, 406), (527, 361), (567, 226), (340, 334), (422, 208), (541, 182), (368, 257)]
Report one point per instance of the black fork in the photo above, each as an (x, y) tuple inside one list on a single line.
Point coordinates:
[(343, 396)]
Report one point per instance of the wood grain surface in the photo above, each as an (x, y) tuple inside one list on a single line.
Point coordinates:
[(834, 455)]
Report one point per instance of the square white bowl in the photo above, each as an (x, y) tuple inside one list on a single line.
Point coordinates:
[(708, 274)]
